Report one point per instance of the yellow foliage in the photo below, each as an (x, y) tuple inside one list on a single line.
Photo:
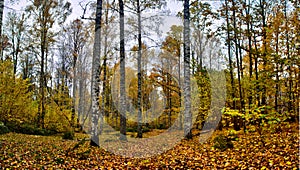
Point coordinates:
[(15, 98)]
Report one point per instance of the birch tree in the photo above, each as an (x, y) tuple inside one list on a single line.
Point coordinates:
[(187, 83), (96, 76)]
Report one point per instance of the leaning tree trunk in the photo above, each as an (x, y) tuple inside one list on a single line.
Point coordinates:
[(187, 83), (96, 76)]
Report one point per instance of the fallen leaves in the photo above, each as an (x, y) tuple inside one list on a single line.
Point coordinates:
[(280, 150)]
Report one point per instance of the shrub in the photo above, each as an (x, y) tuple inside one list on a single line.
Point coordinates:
[(161, 126), (3, 129), (69, 135), (131, 129), (146, 129), (222, 142), (28, 129)]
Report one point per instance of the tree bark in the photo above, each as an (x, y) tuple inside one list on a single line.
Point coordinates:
[(122, 74), (139, 99), (1, 21), (96, 77), (187, 83)]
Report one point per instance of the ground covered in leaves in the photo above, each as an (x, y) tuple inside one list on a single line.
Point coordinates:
[(278, 150)]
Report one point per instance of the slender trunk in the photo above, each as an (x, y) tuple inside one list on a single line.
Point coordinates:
[(1, 20), (229, 55), (290, 81), (242, 101), (277, 68), (41, 118), (169, 97), (256, 70), (264, 54), (96, 77), (139, 99), (200, 53), (74, 82), (187, 83), (236, 124), (81, 100), (122, 74), (179, 90), (248, 20), (104, 68)]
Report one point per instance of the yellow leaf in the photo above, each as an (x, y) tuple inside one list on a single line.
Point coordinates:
[(262, 168)]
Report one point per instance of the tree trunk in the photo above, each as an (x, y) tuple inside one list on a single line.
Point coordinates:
[(179, 84), (139, 99), (187, 83), (236, 122), (96, 77), (229, 55), (290, 81), (122, 74), (264, 54), (1, 20), (74, 87), (248, 20)]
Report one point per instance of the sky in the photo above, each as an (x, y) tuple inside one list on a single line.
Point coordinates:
[(172, 9), (76, 13)]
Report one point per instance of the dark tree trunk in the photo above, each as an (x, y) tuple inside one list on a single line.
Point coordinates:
[(236, 122), (1, 20), (122, 74), (248, 20), (229, 55), (139, 99)]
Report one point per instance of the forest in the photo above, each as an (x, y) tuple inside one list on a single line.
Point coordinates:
[(139, 84)]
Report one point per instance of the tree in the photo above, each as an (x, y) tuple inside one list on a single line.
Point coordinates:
[(73, 40), (45, 15), (187, 83), (137, 7), (1, 20), (15, 99), (16, 28), (122, 74), (96, 76), (171, 53), (202, 18)]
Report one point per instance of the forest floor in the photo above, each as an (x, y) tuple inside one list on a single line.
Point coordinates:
[(277, 150)]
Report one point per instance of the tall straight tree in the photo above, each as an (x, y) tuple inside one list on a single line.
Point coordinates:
[(45, 15), (187, 82), (140, 133), (96, 76), (138, 6), (122, 74), (1, 19), (16, 27)]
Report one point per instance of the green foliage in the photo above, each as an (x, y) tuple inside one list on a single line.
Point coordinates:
[(222, 142), (59, 160), (3, 128), (146, 129), (161, 126), (69, 135), (131, 129), (29, 129)]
